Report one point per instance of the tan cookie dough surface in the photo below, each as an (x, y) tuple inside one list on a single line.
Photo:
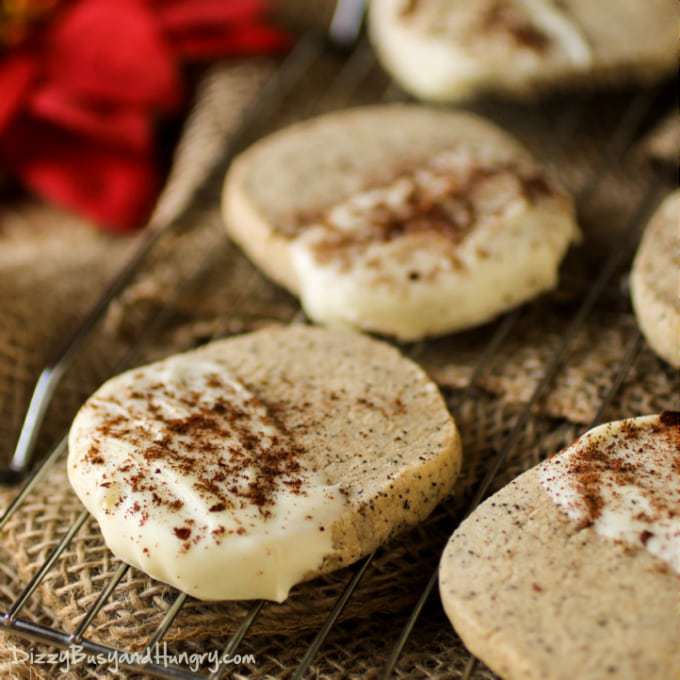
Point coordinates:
[(399, 219), (537, 594), (241, 468), (655, 281)]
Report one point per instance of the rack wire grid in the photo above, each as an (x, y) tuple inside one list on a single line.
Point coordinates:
[(356, 78)]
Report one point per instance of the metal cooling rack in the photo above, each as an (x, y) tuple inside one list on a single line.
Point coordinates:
[(352, 73)]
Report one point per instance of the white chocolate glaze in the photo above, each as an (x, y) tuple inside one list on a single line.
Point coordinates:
[(623, 479), (443, 50), (193, 481), (446, 245)]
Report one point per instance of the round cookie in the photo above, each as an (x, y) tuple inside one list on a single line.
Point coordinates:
[(442, 50), (573, 569), (241, 468), (655, 281), (399, 219)]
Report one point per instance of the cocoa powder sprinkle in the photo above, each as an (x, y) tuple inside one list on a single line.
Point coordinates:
[(645, 536), (631, 469), (235, 453), (451, 211), (183, 533)]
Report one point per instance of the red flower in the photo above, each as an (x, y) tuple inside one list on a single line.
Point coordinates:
[(80, 96)]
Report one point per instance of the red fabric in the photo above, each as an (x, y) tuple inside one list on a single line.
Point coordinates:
[(79, 101), (124, 126), (199, 30), (202, 44), (176, 14), (107, 52), (101, 181), (16, 74)]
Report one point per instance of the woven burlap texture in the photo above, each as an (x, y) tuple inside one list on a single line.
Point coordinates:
[(401, 569), (136, 608), (196, 286)]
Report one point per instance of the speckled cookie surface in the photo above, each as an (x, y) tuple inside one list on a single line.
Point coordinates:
[(655, 281), (538, 595), (241, 468), (403, 220)]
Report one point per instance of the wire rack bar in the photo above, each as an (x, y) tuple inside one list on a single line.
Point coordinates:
[(236, 638), (99, 603), (469, 668), (620, 141), (169, 617), (628, 361), (35, 581), (32, 481), (63, 357), (351, 74), (491, 350), (338, 608), (346, 22)]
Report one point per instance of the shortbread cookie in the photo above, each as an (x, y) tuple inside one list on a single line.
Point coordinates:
[(397, 219), (246, 466), (444, 50), (573, 569), (655, 281)]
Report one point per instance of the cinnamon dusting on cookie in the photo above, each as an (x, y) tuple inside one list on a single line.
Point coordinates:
[(232, 449), (623, 480), (445, 197)]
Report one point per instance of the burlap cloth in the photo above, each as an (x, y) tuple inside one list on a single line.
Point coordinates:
[(196, 286)]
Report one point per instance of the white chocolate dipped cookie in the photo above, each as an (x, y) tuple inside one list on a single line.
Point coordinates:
[(239, 469), (573, 569), (443, 50), (655, 281), (401, 220)]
